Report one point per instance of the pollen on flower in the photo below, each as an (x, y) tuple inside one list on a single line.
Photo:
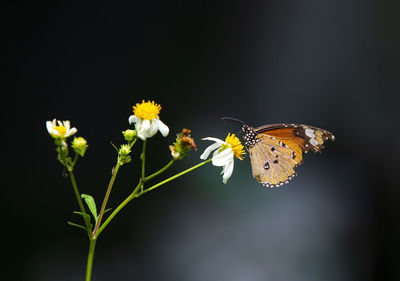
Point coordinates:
[(146, 110), (236, 146)]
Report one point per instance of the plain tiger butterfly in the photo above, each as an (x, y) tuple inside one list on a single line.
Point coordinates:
[(277, 149)]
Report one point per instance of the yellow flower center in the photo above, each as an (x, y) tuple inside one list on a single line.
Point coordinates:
[(146, 110), (61, 130), (234, 143)]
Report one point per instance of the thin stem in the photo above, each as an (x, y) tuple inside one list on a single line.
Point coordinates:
[(76, 191), (160, 171), (89, 265), (135, 193), (103, 207), (115, 212), (79, 199), (74, 162), (143, 157), (172, 178)]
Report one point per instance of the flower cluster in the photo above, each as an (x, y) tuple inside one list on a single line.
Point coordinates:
[(147, 124), (60, 131)]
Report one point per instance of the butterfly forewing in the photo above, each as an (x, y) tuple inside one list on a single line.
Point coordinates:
[(304, 136)]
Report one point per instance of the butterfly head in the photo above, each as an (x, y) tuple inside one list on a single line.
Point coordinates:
[(249, 133)]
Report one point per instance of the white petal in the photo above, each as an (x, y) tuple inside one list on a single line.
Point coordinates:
[(164, 130), (132, 119), (141, 136), (208, 150), (55, 133), (67, 125), (138, 123), (213, 139), (49, 126), (143, 129), (228, 169), (71, 132), (144, 126), (152, 130), (223, 157)]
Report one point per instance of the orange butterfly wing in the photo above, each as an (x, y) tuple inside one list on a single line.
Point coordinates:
[(278, 149)]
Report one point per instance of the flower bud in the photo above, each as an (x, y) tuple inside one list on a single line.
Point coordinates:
[(79, 145), (129, 135), (124, 150)]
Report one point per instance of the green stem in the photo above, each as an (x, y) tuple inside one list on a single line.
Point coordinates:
[(76, 191), (160, 171), (116, 211), (135, 193), (143, 157), (79, 199), (173, 177), (103, 207), (74, 162), (89, 265)]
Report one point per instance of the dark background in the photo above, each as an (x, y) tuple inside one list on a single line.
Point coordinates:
[(331, 64)]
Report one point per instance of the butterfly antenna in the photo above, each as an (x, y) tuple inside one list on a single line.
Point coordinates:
[(230, 119)]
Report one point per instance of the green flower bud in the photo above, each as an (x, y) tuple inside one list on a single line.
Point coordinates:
[(124, 152), (129, 135), (79, 145)]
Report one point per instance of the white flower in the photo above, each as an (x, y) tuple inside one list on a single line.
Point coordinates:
[(224, 153), (62, 130), (145, 115)]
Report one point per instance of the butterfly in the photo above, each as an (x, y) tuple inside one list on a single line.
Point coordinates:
[(277, 149)]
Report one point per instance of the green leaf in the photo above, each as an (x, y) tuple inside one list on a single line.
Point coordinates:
[(91, 204), (107, 210), (85, 216), (77, 225)]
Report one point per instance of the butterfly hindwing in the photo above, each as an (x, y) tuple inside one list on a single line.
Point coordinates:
[(272, 163)]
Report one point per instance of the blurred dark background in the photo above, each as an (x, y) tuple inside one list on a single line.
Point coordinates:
[(331, 64)]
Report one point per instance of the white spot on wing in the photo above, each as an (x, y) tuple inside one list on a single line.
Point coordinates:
[(310, 133)]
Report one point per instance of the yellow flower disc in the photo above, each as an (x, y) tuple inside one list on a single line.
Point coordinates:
[(235, 145), (61, 130), (146, 110)]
